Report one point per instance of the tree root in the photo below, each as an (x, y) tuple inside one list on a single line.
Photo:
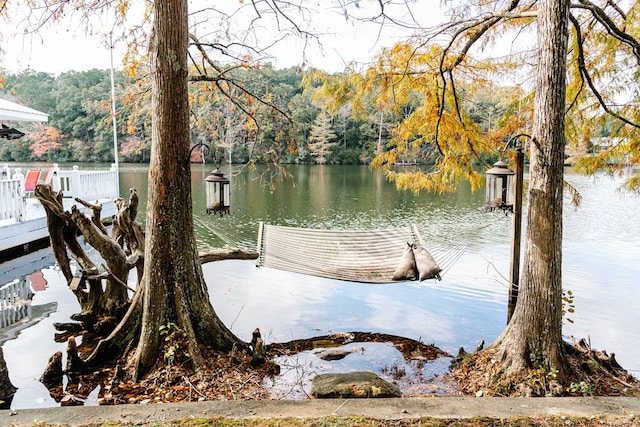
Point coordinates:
[(110, 324), (589, 373)]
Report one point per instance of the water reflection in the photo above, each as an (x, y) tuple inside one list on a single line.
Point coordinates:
[(601, 263), (601, 259)]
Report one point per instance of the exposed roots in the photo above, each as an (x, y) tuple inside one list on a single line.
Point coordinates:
[(223, 376), (589, 373)]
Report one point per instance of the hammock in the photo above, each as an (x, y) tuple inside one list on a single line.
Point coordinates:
[(368, 256)]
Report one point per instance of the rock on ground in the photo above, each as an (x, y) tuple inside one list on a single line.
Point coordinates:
[(352, 384)]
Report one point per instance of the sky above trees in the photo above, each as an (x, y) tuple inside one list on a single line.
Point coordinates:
[(70, 46)]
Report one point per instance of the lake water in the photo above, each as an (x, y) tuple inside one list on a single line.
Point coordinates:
[(601, 264)]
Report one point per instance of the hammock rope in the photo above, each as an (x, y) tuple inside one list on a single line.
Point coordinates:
[(234, 238), (449, 256), (367, 256)]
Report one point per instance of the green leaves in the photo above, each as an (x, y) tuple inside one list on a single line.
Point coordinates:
[(568, 306), (174, 338)]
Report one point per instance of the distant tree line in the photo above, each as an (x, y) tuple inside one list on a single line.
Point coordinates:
[(300, 130)]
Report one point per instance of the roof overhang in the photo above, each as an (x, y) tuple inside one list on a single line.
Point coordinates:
[(10, 111)]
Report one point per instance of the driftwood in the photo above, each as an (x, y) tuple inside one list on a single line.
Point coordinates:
[(109, 319), (219, 254), (63, 230), (96, 211), (63, 233)]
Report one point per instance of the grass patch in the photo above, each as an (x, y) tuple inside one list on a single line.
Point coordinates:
[(356, 421)]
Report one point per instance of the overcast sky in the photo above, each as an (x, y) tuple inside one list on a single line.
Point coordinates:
[(66, 46)]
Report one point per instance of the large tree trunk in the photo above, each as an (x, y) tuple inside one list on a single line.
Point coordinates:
[(533, 338), (173, 285)]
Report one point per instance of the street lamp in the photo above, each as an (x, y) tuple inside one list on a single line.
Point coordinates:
[(217, 187), (505, 194)]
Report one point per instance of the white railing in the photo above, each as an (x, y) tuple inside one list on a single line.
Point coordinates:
[(12, 203), (85, 184)]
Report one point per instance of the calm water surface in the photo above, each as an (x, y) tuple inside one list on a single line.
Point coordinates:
[(601, 263)]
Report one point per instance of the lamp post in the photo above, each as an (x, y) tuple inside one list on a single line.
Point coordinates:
[(217, 187), (505, 194)]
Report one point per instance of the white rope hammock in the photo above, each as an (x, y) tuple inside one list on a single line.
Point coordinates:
[(368, 256)]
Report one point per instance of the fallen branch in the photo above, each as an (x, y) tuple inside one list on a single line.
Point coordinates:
[(219, 254)]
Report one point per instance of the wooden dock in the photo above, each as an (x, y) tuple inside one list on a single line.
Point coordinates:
[(23, 222)]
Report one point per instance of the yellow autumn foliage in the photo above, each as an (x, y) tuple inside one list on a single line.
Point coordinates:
[(438, 131)]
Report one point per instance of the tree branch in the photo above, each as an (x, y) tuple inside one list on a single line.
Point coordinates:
[(219, 254), (584, 73), (475, 30), (612, 29), (231, 82)]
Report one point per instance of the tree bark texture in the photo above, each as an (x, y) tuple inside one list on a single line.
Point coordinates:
[(533, 338), (174, 288)]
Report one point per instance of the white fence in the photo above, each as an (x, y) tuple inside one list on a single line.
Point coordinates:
[(11, 199), (88, 185)]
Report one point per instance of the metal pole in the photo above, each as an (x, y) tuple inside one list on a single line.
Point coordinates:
[(113, 114), (516, 232)]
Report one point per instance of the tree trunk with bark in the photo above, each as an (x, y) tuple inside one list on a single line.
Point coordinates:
[(171, 294), (173, 285), (533, 338)]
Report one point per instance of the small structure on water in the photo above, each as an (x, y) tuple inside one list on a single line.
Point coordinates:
[(23, 222)]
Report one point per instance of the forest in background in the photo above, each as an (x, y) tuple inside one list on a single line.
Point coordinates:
[(300, 129)]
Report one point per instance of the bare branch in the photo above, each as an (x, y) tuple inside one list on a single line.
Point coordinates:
[(576, 26), (474, 30), (584, 73), (617, 9), (612, 29)]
